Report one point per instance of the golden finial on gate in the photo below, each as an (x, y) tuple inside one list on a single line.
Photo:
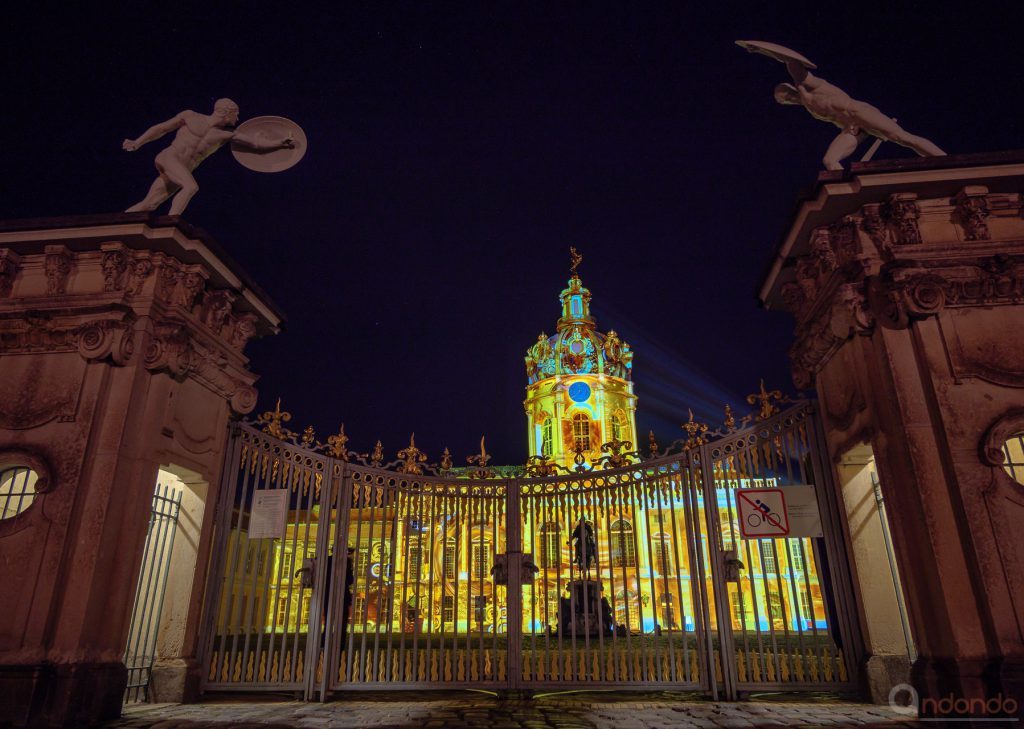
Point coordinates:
[(695, 433), (377, 457), (411, 457), (480, 460), (653, 450), (730, 420), (271, 422), (580, 458), (308, 436), (540, 466), (615, 456), (446, 460), (338, 444), (765, 399)]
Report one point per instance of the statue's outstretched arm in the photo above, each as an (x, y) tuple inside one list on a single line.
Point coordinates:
[(261, 145), (155, 132)]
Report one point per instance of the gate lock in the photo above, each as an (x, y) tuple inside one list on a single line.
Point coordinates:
[(733, 565)]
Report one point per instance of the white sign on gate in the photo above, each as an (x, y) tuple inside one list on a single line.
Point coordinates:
[(791, 511), (269, 514)]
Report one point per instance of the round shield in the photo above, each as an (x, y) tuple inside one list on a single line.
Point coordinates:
[(268, 131), (774, 50)]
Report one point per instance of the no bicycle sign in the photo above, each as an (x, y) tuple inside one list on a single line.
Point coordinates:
[(777, 513), (762, 513)]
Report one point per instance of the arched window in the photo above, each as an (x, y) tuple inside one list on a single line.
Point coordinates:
[(668, 613), (547, 436), (623, 548), (551, 545), (581, 431)]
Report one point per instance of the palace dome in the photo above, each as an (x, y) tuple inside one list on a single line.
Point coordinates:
[(577, 348)]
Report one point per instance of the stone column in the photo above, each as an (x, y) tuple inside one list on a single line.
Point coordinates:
[(121, 351), (906, 279)]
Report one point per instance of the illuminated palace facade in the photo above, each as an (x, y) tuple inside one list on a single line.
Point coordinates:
[(579, 397)]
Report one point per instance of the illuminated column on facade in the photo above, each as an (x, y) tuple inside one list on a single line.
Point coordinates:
[(580, 388)]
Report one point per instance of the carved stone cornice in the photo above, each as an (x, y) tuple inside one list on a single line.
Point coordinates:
[(923, 291)]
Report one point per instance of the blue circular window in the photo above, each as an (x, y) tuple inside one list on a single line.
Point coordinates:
[(579, 392)]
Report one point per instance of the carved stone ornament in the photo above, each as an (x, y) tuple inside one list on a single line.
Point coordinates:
[(9, 263), (108, 338), (902, 213), (58, 267), (971, 212), (115, 266), (991, 446), (139, 272), (243, 328), (216, 308), (190, 284)]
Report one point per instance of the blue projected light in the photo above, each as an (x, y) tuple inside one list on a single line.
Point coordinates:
[(579, 392)]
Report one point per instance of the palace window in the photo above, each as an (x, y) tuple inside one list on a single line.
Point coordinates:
[(448, 609), (481, 560), (286, 567), (668, 614), (415, 564), (551, 545), (547, 436), (581, 431), (623, 548), (359, 609), (767, 549), (449, 558), (775, 608), (796, 554), (662, 554), (806, 604), (282, 611)]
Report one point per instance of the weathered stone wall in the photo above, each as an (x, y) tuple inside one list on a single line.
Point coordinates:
[(907, 286), (121, 349)]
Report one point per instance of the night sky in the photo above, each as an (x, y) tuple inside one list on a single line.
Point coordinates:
[(456, 152)]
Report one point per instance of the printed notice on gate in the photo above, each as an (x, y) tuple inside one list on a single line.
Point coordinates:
[(790, 511), (269, 514)]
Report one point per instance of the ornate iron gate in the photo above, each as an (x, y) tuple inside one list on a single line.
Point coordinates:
[(383, 576), (150, 590)]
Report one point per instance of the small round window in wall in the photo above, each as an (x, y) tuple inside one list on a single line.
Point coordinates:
[(1013, 457), (17, 489), (579, 392)]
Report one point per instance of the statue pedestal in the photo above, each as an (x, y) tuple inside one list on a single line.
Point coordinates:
[(906, 280), (581, 613), (121, 353)]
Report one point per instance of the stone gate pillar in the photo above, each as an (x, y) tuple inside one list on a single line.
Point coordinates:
[(121, 352), (906, 279)]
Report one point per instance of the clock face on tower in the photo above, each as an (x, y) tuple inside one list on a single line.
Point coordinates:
[(579, 392)]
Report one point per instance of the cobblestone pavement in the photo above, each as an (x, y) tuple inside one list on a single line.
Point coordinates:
[(458, 710)]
